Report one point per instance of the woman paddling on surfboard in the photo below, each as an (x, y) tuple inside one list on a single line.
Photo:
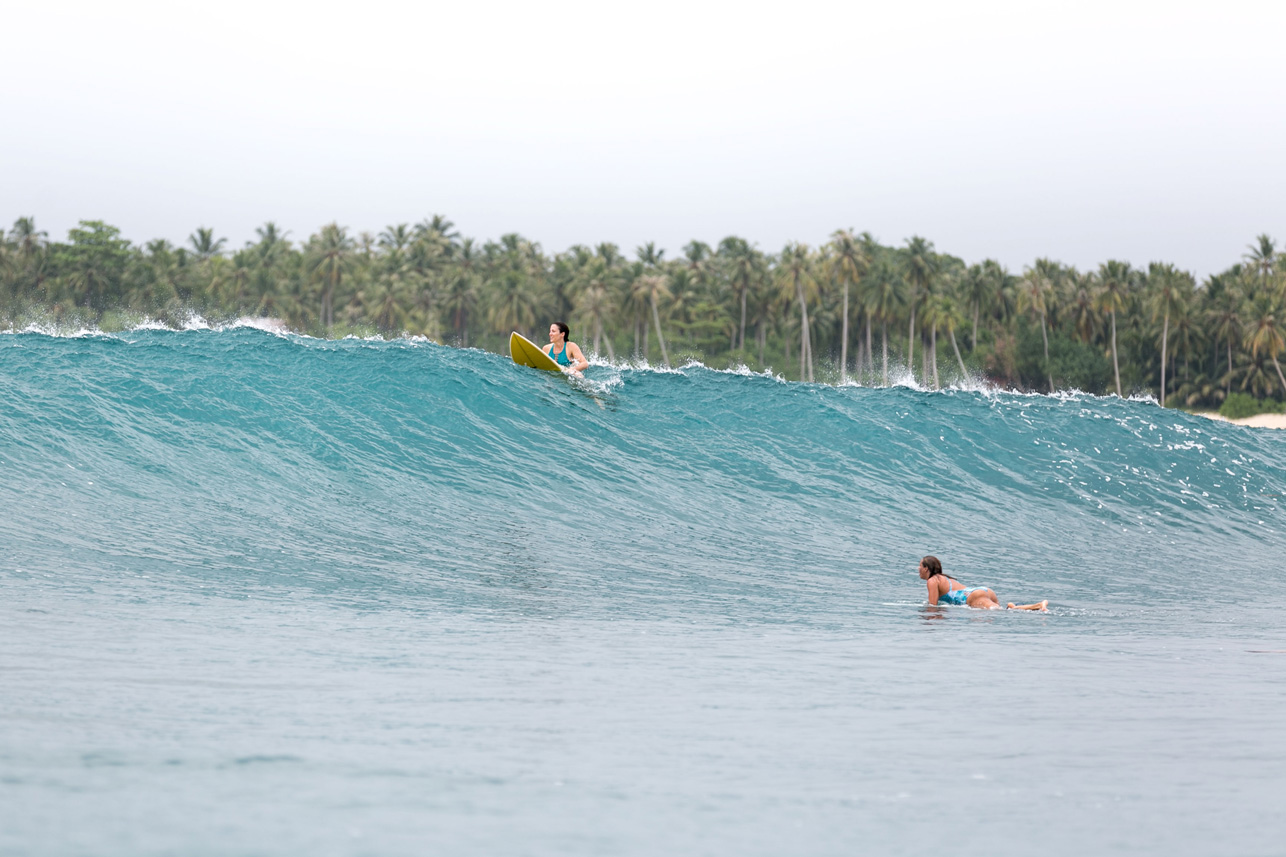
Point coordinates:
[(946, 589), (565, 354)]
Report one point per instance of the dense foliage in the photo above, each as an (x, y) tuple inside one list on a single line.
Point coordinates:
[(852, 308)]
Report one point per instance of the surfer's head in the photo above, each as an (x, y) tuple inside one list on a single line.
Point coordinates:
[(929, 566), (559, 331)]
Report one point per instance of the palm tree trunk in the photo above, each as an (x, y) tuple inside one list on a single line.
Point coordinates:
[(843, 345), (805, 345), (1278, 367), (910, 343), (803, 375), (647, 347), (934, 359), (857, 370), (656, 319), (809, 340), (607, 340), (330, 304), (1229, 390), (870, 360), (742, 340), (884, 344), (964, 374), (1116, 367), (1045, 336), (974, 340), (1165, 333)]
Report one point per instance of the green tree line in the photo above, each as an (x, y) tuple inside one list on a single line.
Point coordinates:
[(850, 309)]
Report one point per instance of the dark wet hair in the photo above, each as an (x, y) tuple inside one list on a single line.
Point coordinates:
[(934, 565), (562, 325)]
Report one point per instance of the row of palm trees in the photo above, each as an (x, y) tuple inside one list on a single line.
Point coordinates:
[(808, 312)]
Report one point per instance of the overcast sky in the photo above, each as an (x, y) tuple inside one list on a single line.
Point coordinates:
[(1077, 130)]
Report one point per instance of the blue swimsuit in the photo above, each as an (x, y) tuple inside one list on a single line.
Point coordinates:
[(561, 357), (959, 597)]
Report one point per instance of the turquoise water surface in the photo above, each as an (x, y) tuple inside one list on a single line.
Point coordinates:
[(267, 594)]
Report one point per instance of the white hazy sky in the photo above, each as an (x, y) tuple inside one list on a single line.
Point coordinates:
[(1077, 130)]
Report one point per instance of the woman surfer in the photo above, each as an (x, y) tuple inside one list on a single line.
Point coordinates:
[(566, 354), (946, 589)]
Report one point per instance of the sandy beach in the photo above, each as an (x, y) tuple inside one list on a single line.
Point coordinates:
[(1275, 421)]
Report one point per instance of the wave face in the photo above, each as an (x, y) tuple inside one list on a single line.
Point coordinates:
[(217, 504), (428, 475)]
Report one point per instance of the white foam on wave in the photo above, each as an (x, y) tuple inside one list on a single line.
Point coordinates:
[(741, 370), (900, 376), (644, 365), (267, 325), (53, 329)]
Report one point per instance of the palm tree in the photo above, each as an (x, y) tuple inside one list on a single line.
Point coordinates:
[(1256, 375), (440, 233), (921, 270), (697, 255), (156, 280), (885, 293), (649, 255), (330, 261), (978, 291), (270, 252), (595, 304), (440, 224), (1166, 299), (1200, 390), (387, 305), (511, 305), (204, 243), (594, 275), (232, 289), (942, 311), (396, 237), (1186, 335), (459, 300), (1114, 280), (26, 254), (1225, 314), (744, 263), (656, 288), (796, 276), (270, 235), (1262, 257), (1080, 302), (850, 262), (26, 237), (1264, 333), (1035, 289)]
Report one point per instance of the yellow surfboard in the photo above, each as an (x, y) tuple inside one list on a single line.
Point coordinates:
[(527, 353)]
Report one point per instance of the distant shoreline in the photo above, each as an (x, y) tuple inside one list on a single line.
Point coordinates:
[(1274, 421)]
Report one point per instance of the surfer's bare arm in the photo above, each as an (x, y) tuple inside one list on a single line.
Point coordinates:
[(932, 586), (579, 363)]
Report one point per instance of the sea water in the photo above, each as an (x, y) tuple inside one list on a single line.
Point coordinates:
[(265, 594)]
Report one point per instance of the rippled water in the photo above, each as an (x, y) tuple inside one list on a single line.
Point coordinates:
[(272, 595)]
